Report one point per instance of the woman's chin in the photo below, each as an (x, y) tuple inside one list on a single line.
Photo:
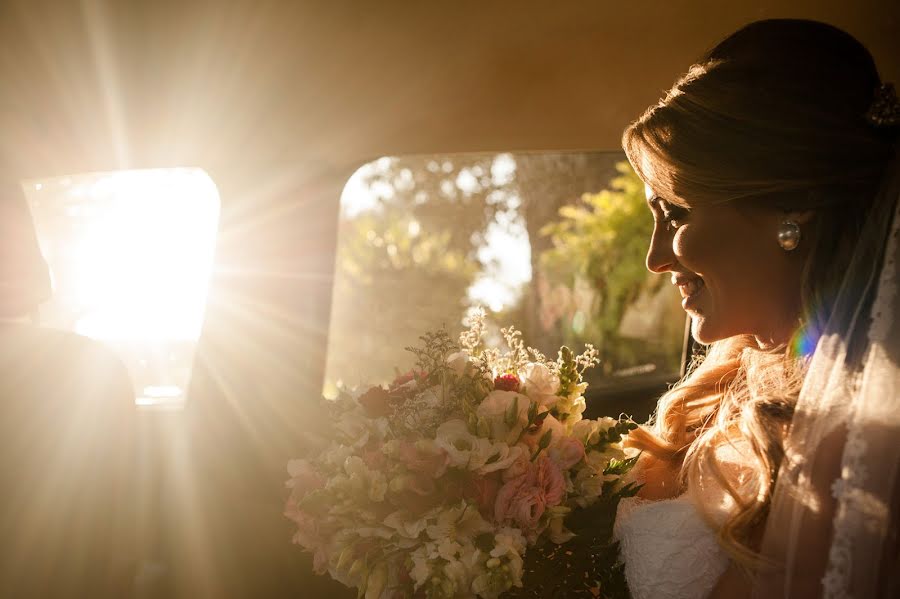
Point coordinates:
[(704, 331)]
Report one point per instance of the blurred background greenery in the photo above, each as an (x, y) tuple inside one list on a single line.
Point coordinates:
[(553, 244)]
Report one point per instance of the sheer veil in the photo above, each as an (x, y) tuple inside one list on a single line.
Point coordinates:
[(832, 526)]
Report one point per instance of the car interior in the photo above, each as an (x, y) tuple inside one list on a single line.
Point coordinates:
[(213, 213)]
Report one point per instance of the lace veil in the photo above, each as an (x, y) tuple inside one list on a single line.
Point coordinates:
[(832, 526)]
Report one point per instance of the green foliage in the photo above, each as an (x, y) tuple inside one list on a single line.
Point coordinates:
[(601, 243), (431, 356), (406, 261)]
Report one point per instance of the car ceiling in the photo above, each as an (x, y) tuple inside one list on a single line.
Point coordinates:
[(97, 85)]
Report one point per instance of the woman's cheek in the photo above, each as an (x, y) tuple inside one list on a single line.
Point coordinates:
[(694, 249), (683, 245)]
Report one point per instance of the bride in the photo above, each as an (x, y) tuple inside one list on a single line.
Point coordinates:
[(770, 470)]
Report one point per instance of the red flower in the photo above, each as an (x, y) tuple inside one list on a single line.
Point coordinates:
[(406, 377), (507, 382), (376, 402)]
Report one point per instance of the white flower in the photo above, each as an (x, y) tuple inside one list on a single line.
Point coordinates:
[(556, 528), (588, 483), (598, 460), (421, 570), (458, 362), (589, 431), (454, 437), (448, 549), (496, 456), (539, 381), (377, 486), (508, 541), (405, 524), (465, 450), (498, 407), (354, 427)]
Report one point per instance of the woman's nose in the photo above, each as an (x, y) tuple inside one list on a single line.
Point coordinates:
[(660, 257)]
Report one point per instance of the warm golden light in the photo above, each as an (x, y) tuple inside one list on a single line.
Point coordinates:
[(130, 254)]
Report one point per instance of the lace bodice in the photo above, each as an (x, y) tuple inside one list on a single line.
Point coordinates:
[(670, 552)]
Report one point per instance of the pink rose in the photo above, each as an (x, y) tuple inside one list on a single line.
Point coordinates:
[(422, 458), (567, 452), (520, 500), (518, 468), (550, 481), (524, 498)]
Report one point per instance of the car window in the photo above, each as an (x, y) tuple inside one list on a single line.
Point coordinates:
[(553, 244), (130, 255)]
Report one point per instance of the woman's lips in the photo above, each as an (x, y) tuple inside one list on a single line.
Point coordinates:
[(691, 289)]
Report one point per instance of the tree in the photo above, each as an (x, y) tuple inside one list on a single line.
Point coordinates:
[(595, 270), (408, 254)]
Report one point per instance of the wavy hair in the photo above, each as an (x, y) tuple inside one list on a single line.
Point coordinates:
[(774, 115)]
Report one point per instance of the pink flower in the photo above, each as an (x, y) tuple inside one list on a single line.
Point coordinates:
[(374, 459), (550, 480), (567, 452), (518, 468), (483, 491), (525, 507), (307, 535), (524, 498), (303, 479), (423, 458)]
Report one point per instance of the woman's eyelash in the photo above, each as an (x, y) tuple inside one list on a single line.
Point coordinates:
[(672, 215)]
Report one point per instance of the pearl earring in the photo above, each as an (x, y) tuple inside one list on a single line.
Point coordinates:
[(789, 235)]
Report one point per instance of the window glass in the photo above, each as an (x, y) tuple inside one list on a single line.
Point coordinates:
[(130, 254), (553, 244)]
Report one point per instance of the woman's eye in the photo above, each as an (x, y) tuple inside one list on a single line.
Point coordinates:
[(674, 217), (672, 223)]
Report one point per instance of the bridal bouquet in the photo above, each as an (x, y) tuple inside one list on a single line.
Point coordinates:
[(436, 485)]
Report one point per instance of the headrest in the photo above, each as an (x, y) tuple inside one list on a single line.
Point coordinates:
[(24, 275)]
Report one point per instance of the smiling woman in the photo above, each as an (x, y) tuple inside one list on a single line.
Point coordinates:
[(130, 256)]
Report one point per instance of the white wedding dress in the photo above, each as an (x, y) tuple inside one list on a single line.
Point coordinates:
[(669, 551)]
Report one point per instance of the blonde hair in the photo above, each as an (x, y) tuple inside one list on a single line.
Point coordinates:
[(774, 115)]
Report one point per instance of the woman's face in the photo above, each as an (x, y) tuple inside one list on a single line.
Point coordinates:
[(733, 276)]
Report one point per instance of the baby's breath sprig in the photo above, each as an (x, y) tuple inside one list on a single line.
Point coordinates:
[(432, 356), (589, 358), (470, 339), (517, 356)]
